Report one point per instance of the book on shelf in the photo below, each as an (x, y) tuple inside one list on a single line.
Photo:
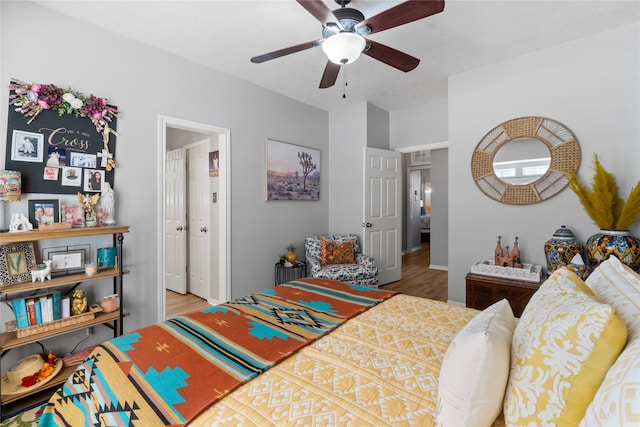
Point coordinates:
[(20, 311), (38, 309), (31, 311), (66, 307)]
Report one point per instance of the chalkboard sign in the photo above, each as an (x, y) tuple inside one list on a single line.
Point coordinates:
[(58, 154)]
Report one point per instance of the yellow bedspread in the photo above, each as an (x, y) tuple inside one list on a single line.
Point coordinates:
[(380, 369)]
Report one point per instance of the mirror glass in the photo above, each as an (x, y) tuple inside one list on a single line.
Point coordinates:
[(521, 161)]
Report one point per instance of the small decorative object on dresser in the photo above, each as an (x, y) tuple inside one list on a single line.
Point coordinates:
[(561, 249), (505, 258), (612, 214)]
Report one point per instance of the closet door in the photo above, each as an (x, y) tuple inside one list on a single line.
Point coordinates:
[(199, 220), (175, 222)]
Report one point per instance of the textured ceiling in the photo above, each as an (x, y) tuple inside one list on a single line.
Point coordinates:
[(467, 35)]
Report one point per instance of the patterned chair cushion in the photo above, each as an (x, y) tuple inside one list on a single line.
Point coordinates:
[(363, 272), (336, 252)]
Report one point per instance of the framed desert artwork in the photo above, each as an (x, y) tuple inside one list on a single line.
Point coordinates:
[(293, 172)]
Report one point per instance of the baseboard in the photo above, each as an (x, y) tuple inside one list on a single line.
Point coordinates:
[(416, 248), (456, 303), (439, 267)]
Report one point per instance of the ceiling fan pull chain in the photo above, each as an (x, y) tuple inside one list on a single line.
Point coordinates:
[(344, 86)]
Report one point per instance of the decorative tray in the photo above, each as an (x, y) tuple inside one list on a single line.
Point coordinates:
[(528, 272)]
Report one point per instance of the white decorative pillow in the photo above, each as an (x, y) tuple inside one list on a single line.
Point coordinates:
[(563, 346), (619, 286), (617, 401), (475, 369)]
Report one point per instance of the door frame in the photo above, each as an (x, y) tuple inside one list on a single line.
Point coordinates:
[(224, 202)]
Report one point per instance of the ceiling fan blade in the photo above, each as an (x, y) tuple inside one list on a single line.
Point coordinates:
[(390, 56), (321, 12), (286, 51), (330, 75), (409, 11)]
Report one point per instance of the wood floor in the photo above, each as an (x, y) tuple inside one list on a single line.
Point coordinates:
[(417, 280)]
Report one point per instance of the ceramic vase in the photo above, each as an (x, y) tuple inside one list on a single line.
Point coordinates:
[(561, 248), (618, 243), (291, 257)]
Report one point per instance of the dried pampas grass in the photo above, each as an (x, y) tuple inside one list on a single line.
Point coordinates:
[(602, 203)]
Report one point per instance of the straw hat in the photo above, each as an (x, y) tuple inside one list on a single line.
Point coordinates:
[(12, 381)]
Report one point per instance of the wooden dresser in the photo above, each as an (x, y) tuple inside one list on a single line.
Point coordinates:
[(482, 291)]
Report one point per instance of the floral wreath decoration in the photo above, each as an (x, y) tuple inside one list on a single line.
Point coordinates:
[(31, 99), (45, 372)]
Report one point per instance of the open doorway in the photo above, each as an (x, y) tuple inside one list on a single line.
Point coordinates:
[(430, 192), (194, 219)]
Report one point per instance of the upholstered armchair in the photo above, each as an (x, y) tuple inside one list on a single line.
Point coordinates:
[(339, 258)]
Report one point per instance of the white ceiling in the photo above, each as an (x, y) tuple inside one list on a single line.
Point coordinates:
[(469, 34)]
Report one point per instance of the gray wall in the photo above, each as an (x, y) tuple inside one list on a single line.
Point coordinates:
[(591, 86), (351, 129), (440, 209), (144, 83)]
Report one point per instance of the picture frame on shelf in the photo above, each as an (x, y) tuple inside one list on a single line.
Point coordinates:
[(73, 215), (17, 260), (67, 259), (293, 171), (43, 211)]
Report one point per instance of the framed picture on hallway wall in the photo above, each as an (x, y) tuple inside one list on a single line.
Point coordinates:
[(293, 171), (214, 163)]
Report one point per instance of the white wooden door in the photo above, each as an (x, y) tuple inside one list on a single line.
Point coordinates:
[(382, 223), (198, 220), (175, 222)]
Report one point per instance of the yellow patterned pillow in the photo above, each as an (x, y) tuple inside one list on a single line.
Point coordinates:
[(617, 401), (562, 347), (336, 252)]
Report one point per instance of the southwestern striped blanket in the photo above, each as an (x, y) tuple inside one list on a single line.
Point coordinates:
[(168, 373)]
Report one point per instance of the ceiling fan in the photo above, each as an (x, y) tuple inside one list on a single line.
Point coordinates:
[(344, 33)]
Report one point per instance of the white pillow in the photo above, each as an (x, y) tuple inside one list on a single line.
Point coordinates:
[(475, 369), (617, 401), (619, 286)]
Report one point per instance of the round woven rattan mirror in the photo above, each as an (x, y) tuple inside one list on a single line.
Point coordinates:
[(525, 178)]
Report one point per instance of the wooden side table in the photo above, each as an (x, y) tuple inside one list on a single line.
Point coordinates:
[(286, 274), (482, 291)]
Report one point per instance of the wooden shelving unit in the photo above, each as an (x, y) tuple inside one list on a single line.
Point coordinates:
[(9, 340)]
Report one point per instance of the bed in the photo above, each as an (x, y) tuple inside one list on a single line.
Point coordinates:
[(340, 354)]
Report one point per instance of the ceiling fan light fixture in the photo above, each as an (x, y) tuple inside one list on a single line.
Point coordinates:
[(344, 47)]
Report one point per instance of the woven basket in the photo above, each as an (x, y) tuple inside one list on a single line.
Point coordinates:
[(57, 324)]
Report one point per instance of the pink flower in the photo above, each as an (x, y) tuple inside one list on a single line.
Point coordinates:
[(96, 116), (43, 104), (36, 88)]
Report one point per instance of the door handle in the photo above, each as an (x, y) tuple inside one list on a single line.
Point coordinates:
[(367, 224), (203, 229), (179, 228)]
